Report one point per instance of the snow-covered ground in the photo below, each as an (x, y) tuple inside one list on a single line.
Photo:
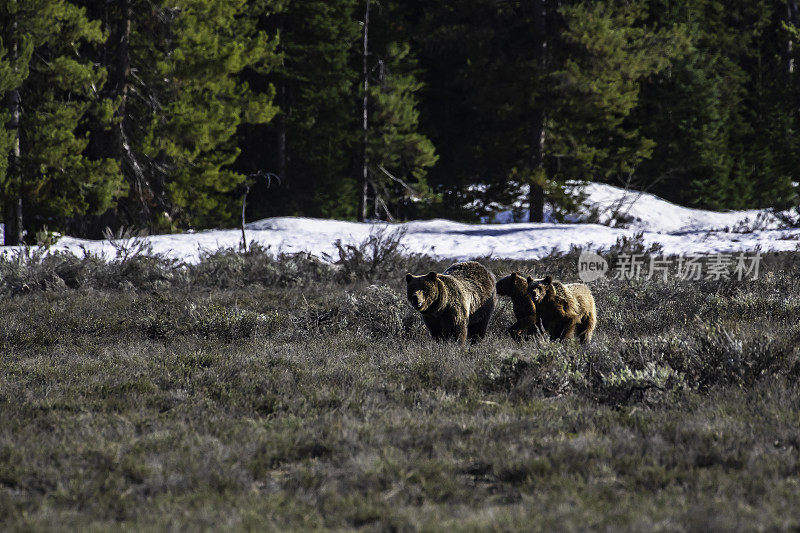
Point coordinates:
[(680, 230), (647, 212)]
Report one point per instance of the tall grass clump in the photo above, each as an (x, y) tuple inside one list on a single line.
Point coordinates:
[(380, 256), (230, 268)]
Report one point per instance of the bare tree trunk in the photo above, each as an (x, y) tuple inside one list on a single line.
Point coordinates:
[(538, 132), (115, 145), (12, 234), (792, 12), (282, 133), (122, 150), (536, 193), (122, 57), (364, 181)]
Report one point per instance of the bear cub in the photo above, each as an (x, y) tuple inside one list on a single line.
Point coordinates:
[(457, 304), (566, 310), (515, 286)]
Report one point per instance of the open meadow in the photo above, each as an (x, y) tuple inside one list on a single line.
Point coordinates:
[(250, 391), (228, 231)]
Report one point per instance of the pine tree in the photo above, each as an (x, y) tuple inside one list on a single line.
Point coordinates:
[(722, 116), (211, 43), (399, 154), (607, 52), (117, 139), (52, 94), (177, 78), (311, 144), (540, 92)]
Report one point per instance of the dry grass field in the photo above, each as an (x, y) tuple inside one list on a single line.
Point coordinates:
[(279, 393)]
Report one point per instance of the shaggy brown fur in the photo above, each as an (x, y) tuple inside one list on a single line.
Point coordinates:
[(515, 286), (566, 310), (456, 304)]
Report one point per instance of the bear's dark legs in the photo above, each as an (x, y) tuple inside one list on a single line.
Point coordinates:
[(555, 329), (434, 326), (456, 332), (516, 332), (441, 331), (479, 321), (569, 330), (559, 329), (477, 331), (522, 328), (462, 333), (586, 329)]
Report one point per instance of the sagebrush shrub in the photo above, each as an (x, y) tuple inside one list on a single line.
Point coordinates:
[(380, 310), (380, 256)]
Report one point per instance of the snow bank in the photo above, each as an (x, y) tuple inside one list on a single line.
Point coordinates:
[(651, 213), (680, 230), (648, 212)]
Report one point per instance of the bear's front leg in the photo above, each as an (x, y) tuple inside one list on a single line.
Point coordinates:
[(522, 328), (455, 327), (462, 331), (515, 333), (586, 328), (569, 330), (434, 325), (555, 327)]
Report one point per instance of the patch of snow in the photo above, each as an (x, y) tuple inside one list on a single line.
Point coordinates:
[(678, 229), (648, 212)]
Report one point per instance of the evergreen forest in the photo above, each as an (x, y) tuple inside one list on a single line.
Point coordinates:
[(162, 114)]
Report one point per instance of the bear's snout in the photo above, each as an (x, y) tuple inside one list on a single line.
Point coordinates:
[(417, 300)]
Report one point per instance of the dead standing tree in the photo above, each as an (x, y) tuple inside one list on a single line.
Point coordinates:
[(364, 181), (538, 128), (246, 184)]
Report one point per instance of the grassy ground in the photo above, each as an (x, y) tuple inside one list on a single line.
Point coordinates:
[(261, 393)]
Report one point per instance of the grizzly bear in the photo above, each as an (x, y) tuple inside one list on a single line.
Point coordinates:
[(515, 286), (566, 310), (456, 304)]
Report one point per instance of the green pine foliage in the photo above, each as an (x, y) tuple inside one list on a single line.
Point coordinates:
[(58, 94), (311, 144), (595, 86), (154, 113), (399, 154), (210, 43), (722, 116), (176, 78)]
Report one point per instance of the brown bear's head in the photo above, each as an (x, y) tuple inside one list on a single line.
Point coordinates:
[(422, 291), (538, 288), (512, 285)]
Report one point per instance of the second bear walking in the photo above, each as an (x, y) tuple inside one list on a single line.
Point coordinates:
[(515, 286), (566, 310), (457, 304)]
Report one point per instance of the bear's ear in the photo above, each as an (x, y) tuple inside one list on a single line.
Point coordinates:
[(409, 277), (548, 280), (431, 276), (529, 280), (516, 274)]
